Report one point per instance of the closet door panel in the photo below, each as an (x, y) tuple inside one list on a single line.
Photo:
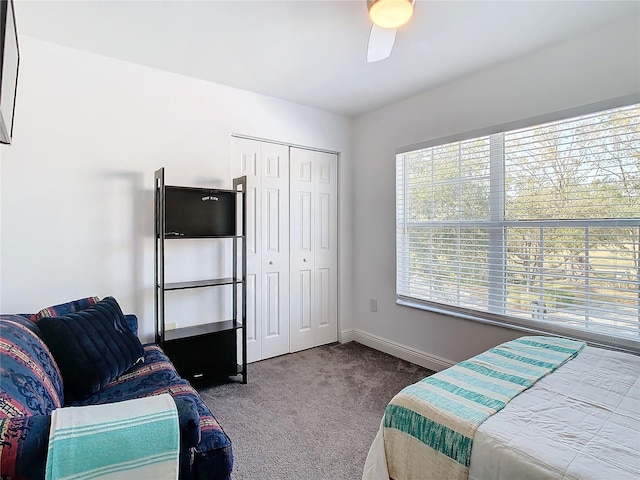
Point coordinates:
[(275, 249), (273, 317), (323, 294), (303, 311), (313, 247), (326, 248), (246, 155), (252, 310)]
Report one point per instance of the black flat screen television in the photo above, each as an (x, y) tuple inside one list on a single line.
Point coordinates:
[(9, 62), (199, 212)]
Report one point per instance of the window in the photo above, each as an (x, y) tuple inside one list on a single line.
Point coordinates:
[(538, 228)]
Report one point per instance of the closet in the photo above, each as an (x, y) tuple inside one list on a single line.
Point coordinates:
[(291, 246)]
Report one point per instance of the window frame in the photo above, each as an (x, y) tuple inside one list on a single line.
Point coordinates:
[(529, 326)]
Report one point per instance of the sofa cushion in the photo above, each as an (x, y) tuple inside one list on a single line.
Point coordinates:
[(23, 446), (30, 379), (65, 308), (92, 347), (214, 457)]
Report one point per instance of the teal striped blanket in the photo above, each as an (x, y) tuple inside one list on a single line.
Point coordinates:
[(137, 438), (428, 427)]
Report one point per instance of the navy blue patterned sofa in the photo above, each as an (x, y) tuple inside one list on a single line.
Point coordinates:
[(32, 385)]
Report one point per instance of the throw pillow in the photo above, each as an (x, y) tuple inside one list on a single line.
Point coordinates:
[(92, 347)]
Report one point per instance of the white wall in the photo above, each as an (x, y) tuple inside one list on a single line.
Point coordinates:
[(1, 150), (601, 66), (77, 183)]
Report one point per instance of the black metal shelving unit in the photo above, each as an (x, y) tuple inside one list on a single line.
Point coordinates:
[(208, 351)]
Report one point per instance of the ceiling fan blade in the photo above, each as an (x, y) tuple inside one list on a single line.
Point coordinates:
[(381, 42)]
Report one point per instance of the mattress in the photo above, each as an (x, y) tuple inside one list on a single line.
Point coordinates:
[(580, 422)]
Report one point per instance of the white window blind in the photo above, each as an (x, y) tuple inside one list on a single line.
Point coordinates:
[(537, 227)]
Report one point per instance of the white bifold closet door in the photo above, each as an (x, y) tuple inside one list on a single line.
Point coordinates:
[(292, 254), (313, 244), (266, 166)]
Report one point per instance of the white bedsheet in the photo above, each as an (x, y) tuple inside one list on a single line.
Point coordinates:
[(581, 422)]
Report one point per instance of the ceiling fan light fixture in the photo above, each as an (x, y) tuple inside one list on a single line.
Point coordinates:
[(390, 13)]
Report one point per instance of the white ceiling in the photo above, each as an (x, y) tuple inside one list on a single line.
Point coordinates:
[(313, 52)]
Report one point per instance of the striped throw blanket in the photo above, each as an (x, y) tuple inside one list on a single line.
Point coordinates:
[(131, 439), (428, 427)]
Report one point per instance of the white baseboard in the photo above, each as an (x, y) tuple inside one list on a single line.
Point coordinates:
[(347, 336), (427, 360)]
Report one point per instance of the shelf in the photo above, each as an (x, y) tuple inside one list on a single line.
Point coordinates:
[(208, 351), (201, 283), (169, 236), (202, 189), (198, 330)]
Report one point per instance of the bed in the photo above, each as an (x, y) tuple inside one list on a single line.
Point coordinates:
[(580, 419)]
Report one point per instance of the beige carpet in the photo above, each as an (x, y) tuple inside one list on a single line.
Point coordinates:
[(310, 415)]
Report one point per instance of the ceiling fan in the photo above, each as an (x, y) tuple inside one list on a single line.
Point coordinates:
[(387, 16)]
